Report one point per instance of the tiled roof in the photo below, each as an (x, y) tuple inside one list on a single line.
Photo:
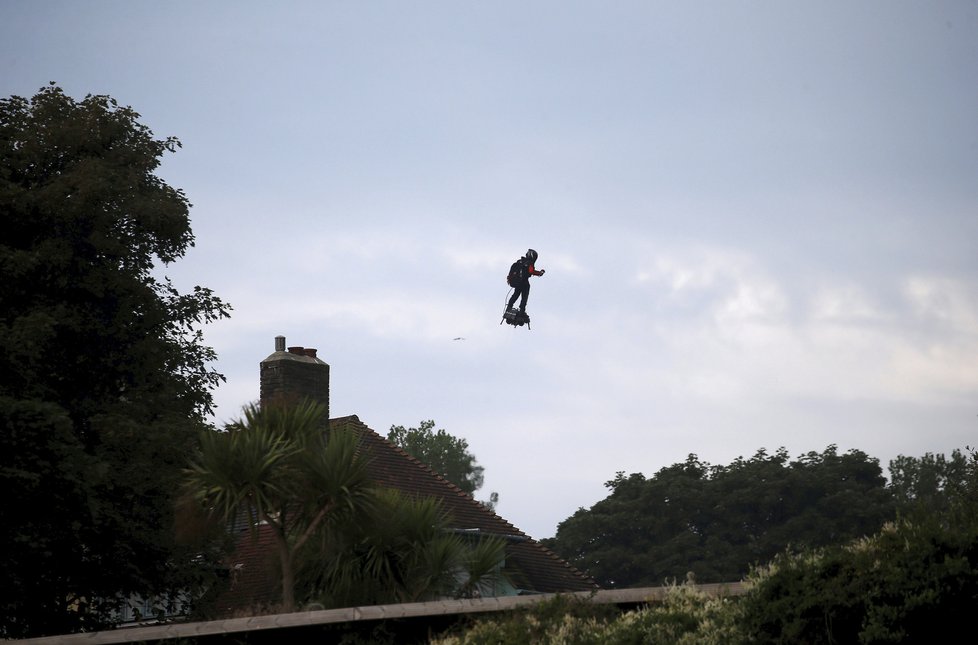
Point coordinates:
[(529, 565), (255, 584)]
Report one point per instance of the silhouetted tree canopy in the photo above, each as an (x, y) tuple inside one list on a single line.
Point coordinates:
[(104, 377), (716, 521)]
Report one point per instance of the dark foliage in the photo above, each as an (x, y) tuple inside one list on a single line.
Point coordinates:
[(916, 581), (104, 379), (716, 521)]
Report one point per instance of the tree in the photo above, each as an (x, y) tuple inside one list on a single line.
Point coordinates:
[(277, 467), (447, 455), (916, 580), (934, 483), (104, 377), (717, 521)]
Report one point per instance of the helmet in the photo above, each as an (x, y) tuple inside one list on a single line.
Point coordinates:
[(531, 255)]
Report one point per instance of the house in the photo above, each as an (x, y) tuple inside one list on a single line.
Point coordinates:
[(296, 373)]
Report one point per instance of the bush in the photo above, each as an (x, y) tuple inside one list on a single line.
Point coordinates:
[(912, 582), (686, 616)]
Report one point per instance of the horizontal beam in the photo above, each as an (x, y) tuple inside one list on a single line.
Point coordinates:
[(374, 612)]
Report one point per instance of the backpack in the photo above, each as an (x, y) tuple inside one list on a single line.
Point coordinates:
[(517, 273)]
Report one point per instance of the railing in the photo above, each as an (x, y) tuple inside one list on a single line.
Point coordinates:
[(417, 610)]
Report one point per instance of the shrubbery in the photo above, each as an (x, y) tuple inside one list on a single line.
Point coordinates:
[(914, 581), (686, 616)]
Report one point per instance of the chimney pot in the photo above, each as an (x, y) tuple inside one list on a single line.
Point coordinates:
[(297, 350), (310, 352), (280, 343)]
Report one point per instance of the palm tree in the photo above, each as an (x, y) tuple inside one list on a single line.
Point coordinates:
[(276, 466), (402, 551)]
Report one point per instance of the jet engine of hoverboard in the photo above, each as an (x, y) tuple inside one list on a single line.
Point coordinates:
[(516, 318)]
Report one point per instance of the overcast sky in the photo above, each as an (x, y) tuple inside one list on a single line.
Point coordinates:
[(759, 220)]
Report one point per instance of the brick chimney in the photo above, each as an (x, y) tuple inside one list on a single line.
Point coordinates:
[(293, 374)]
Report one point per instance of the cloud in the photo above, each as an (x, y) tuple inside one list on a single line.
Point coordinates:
[(948, 303)]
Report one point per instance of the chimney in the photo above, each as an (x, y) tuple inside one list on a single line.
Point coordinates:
[(292, 375)]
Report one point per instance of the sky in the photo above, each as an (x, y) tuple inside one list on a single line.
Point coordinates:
[(758, 219)]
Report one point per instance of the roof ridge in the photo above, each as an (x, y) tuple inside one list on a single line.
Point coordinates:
[(428, 469)]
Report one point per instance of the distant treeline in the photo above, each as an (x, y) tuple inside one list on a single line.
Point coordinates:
[(714, 523)]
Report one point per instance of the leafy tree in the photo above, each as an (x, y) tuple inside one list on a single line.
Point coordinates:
[(276, 467), (104, 377), (402, 550), (446, 454), (933, 483), (716, 521), (916, 580)]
